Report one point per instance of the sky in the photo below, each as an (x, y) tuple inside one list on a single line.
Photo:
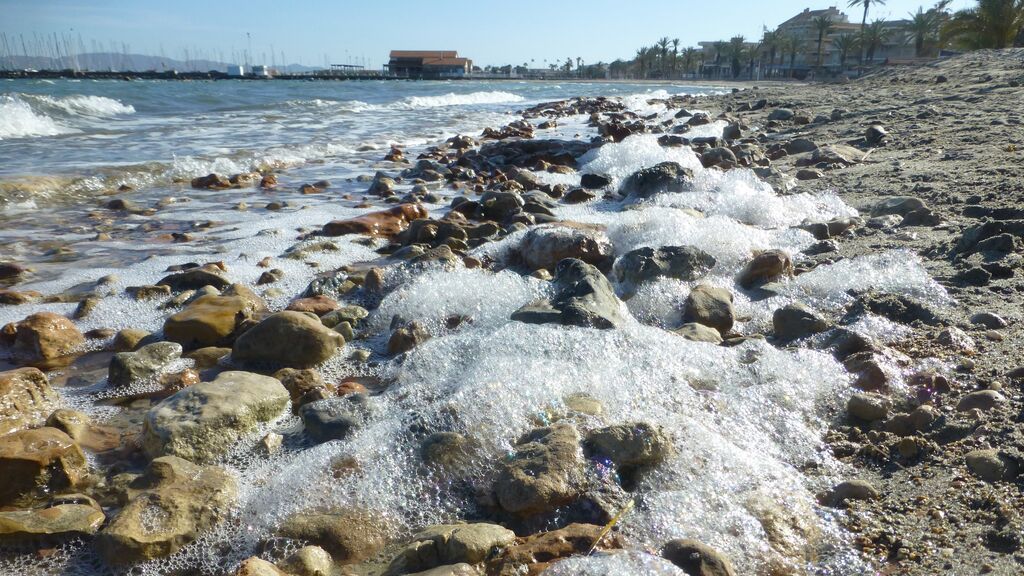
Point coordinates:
[(313, 32)]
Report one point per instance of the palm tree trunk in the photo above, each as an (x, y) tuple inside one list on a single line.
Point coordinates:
[(863, 23)]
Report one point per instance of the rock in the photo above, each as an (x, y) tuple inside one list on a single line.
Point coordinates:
[(805, 174), (875, 134), (256, 566), (538, 551), (334, 418), (578, 196), (299, 382), (918, 420), (194, 279), (25, 399), (732, 131), (211, 182), (318, 305), (170, 505), (547, 245), (839, 154), (382, 185), (781, 114), (868, 406), (143, 364), (697, 559), (291, 339), (680, 262), (711, 307), (405, 338), (543, 474), (309, 561), (633, 444), (204, 421), (207, 357), (955, 338), (59, 520), (127, 339), (983, 400), (207, 321), (450, 544), (800, 146), (795, 321), (583, 298), (80, 428), (765, 267), (352, 314), (851, 490), (664, 177), (45, 336), (989, 320), (718, 157), (348, 535), (992, 465), (460, 569), (39, 459), (594, 181), (384, 223), (898, 205), (11, 270), (699, 333)]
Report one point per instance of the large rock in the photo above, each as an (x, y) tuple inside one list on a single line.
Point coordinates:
[(696, 332), (385, 223), (794, 321), (584, 298), (664, 177), (45, 336), (697, 558), (680, 262), (711, 307), (634, 444), (208, 321), (544, 473), (545, 246), (450, 544), (334, 418), (40, 459), (194, 279), (899, 205), (349, 535), (765, 267), (25, 399), (60, 520), (992, 465), (536, 552), (205, 420), (143, 364), (291, 339), (170, 505)]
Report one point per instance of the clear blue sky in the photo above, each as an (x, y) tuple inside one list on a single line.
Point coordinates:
[(489, 32)]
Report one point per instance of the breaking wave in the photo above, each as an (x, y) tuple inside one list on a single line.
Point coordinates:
[(28, 115)]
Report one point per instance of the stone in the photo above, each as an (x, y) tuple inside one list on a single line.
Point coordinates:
[(781, 114), (578, 196), (208, 321), (450, 544), (81, 429), (211, 182), (583, 298), (207, 357), (794, 321), (800, 146), (299, 382), (710, 306), (543, 474), (898, 205), (679, 262), (805, 174), (256, 566), (206, 420), (594, 181), (352, 314), (308, 561), (696, 332), (385, 223), (11, 270), (143, 364), (348, 535), (696, 558), (546, 245), (851, 490), (460, 569), (992, 465), (538, 551), (718, 157), (318, 305), (983, 400), (45, 336), (39, 459), (334, 418), (633, 444), (59, 520), (955, 338), (292, 339), (171, 504), (875, 134), (127, 339), (664, 177), (25, 399), (765, 267), (868, 406), (405, 338), (194, 279)]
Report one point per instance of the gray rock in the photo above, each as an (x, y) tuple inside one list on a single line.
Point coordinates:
[(898, 205), (697, 559), (989, 320), (450, 544), (699, 333), (710, 306), (205, 420), (992, 465), (632, 444), (781, 114), (309, 561), (875, 134), (291, 339), (800, 146), (194, 279), (143, 364), (544, 473), (680, 262), (664, 177), (584, 298), (546, 245), (983, 400), (718, 156), (851, 490), (795, 321), (868, 406), (334, 418)]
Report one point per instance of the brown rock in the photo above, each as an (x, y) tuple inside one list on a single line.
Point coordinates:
[(38, 459), (697, 558), (208, 321), (535, 553), (45, 336), (383, 223), (318, 305), (349, 535), (25, 399), (710, 306), (765, 267)]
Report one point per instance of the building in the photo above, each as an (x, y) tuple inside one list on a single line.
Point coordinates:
[(428, 64)]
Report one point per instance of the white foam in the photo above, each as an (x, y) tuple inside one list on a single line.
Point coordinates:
[(621, 159), (453, 99), (18, 120)]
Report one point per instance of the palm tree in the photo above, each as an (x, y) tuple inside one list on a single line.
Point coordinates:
[(736, 50), (641, 60), (675, 54), (822, 25), (663, 43), (845, 43), (875, 35), (864, 20), (793, 45), (991, 24), (771, 42), (921, 27), (689, 58), (719, 47)]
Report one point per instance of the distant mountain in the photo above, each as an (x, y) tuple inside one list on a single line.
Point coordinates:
[(126, 62)]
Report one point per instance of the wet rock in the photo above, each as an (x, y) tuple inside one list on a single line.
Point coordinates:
[(719, 156), (318, 305), (983, 400), (594, 181), (348, 535), (143, 364), (352, 314), (808, 174), (211, 182), (851, 490), (194, 279), (450, 544), (170, 505), (291, 339), (544, 473), (309, 561), (59, 520), (148, 292), (127, 339), (767, 266), (538, 551), (711, 307), (207, 321), (664, 177), (25, 399), (868, 407), (270, 276), (299, 382), (699, 333), (955, 338), (680, 262), (634, 444), (384, 223), (334, 418), (545, 246), (460, 569), (204, 421), (895, 307), (45, 336), (207, 357), (405, 338), (40, 459), (795, 321), (800, 146), (81, 429), (583, 298), (578, 196), (500, 206), (992, 465), (11, 270), (697, 559), (256, 566)]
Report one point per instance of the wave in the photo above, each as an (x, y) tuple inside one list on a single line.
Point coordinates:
[(32, 115), (452, 99), (19, 120)]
